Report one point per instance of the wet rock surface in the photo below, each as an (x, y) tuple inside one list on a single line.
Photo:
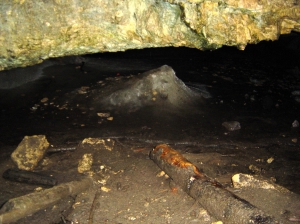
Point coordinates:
[(250, 87)]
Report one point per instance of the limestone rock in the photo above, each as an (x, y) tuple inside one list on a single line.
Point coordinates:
[(107, 144), (30, 151), (85, 164), (33, 31), (241, 180)]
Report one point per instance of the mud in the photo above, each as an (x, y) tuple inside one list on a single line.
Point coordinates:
[(253, 87)]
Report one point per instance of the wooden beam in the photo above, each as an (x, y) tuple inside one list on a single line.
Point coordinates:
[(218, 201)]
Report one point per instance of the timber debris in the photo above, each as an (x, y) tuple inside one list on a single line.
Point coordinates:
[(215, 198)]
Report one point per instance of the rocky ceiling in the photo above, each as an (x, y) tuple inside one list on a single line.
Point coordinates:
[(32, 31)]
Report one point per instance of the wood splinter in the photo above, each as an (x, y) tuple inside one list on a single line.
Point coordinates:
[(219, 202)]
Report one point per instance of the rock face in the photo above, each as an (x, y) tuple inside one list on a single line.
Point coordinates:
[(33, 31)]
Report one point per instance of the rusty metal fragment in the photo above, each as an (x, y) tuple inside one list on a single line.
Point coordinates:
[(217, 200)]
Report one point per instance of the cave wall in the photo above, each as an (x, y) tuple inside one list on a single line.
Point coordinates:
[(32, 31)]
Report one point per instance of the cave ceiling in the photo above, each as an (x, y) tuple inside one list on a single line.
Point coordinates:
[(33, 31)]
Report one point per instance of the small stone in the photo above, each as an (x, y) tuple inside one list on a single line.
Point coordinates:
[(295, 124), (255, 169), (38, 189), (83, 89), (160, 174), (105, 189), (85, 163), (296, 93), (103, 114), (80, 91), (270, 160), (44, 100), (232, 125), (294, 140)]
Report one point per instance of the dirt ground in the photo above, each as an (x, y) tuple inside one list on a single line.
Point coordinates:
[(255, 87)]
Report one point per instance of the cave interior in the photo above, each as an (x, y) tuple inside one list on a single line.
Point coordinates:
[(258, 87)]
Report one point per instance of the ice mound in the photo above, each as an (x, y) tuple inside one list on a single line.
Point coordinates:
[(155, 87)]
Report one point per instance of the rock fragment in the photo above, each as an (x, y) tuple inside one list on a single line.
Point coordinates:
[(30, 151), (295, 124), (232, 125), (103, 114), (44, 100), (85, 164), (107, 144), (241, 180)]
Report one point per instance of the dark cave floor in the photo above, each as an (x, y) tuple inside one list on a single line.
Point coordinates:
[(257, 87)]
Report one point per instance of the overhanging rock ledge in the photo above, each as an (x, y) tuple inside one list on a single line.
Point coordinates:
[(32, 31)]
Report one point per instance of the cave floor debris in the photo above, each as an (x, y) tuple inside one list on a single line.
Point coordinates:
[(253, 88)]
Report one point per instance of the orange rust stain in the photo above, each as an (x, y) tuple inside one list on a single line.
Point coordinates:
[(174, 189), (172, 157)]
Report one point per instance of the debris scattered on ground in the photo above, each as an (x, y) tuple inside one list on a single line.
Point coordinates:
[(295, 124)]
